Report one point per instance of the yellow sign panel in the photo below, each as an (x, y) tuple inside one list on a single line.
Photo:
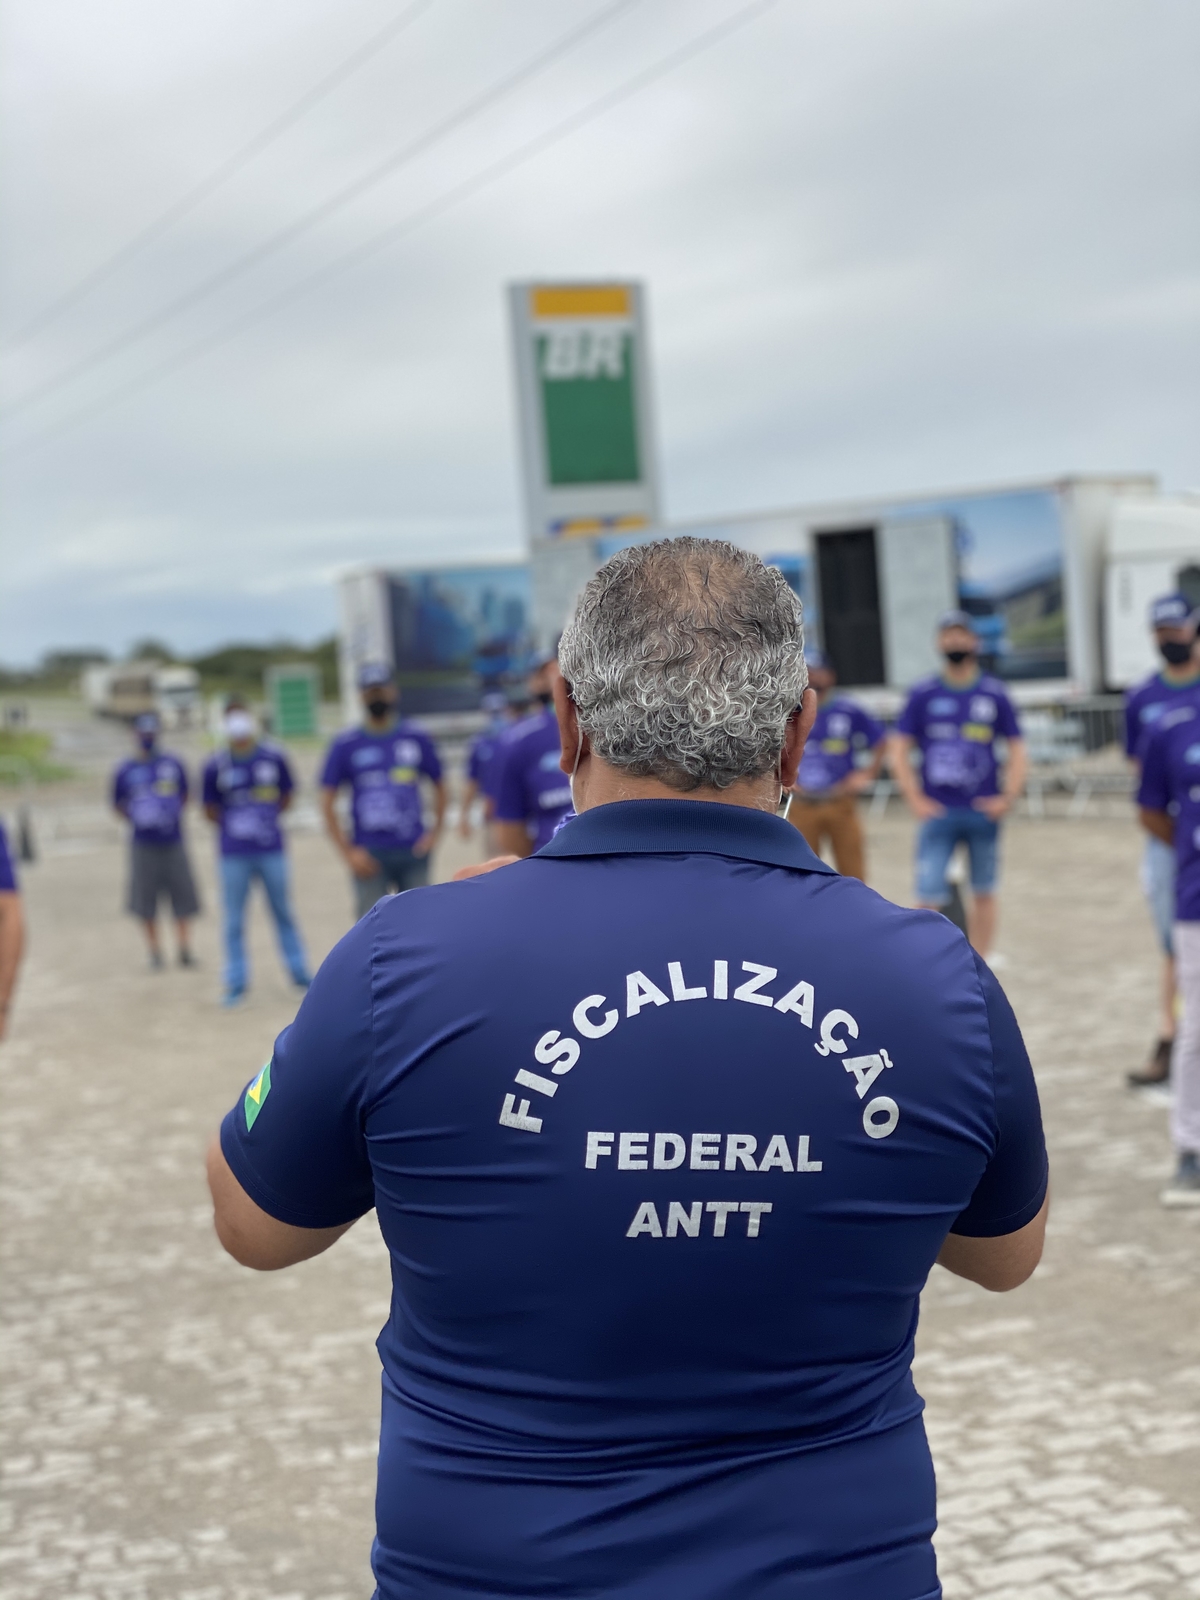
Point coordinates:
[(609, 300)]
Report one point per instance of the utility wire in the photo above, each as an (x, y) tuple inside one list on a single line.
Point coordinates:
[(220, 175), (336, 202), (417, 219)]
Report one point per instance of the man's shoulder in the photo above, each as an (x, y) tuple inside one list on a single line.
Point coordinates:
[(268, 750), (347, 739), (996, 687)]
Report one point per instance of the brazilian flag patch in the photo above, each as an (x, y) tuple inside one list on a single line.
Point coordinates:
[(256, 1096)]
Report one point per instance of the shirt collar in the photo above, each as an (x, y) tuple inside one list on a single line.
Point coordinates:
[(684, 827)]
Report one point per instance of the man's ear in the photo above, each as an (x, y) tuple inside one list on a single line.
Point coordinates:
[(799, 726), (569, 733)]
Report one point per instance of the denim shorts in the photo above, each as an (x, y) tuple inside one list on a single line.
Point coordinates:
[(936, 843), (1158, 885)]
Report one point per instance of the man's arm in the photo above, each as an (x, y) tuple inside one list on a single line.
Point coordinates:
[(513, 838), (998, 1264), (251, 1235), (12, 944), (428, 839), (863, 777), (900, 746), (1015, 772), (1159, 823)]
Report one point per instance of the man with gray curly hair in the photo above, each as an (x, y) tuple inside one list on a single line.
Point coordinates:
[(665, 1127)]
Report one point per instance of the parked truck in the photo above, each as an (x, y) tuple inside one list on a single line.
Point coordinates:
[(127, 689)]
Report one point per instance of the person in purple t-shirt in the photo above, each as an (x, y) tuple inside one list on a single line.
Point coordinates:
[(481, 764), (1169, 801), (1177, 683), (247, 786), (532, 793), (825, 800), (149, 791), (12, 930), (382, 764), (954, 719)]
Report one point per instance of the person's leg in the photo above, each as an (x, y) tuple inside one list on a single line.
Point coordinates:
[(1158, 885), (142, 900), (936, 839), (806, 816), (153, 947), (273, 869), (404, 870), (983, 846), (235, 886), (367, 891), (846, 835), (1184, 1188), (185, 902)]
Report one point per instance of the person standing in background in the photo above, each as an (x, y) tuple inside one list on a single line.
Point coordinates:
[(382, 762), (825, 799), (150, 791), (1169, 803), (12, 930), (1176, 683), (954, 718), (479, 765), (247, 787), (532, 795)]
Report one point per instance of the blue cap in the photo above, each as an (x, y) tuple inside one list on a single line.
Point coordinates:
[(148, 722), (956, 618), (816, 660), (373, 673), (1170, 611)]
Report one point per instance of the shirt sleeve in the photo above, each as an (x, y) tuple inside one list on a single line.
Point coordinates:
[(1007, 724), (1154, 790), (509, 786), (8, 876), (286, 782), (909, 720), (1013, 1185), (333, 773), (1131, 725), (295, 1139), (431, 766)]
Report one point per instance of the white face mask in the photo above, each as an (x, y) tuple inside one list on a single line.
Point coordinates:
[(239, 725)]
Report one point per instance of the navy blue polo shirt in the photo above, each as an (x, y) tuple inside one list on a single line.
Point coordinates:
[(664, 1128)]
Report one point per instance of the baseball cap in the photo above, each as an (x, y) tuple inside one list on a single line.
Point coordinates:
[(373, 673), (1170, 611), (148, 722), (816, 660), (956, 618)]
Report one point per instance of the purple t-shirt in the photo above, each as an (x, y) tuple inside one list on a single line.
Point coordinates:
[(842, 729), (956, 732), (383, 771), (1147, 703), (248, 790), (530, 786), (1171, 782), (152, 791), (8, 876), (481, 757)]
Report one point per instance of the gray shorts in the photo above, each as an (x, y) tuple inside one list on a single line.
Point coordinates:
[(160, 870)]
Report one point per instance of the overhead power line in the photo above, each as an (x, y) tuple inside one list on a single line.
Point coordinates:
[(417, 219), (220, 175), (329, 207)]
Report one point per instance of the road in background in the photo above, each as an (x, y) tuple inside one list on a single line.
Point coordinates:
[(176, 1428)]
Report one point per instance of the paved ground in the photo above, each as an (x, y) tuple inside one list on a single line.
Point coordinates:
[(177, 1429)]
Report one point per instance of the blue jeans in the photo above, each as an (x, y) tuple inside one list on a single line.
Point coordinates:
[(237, 874), (936, 843), (398, 870), (1158, 885)]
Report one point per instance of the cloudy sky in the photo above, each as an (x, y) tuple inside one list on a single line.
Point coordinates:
[(888, 247)]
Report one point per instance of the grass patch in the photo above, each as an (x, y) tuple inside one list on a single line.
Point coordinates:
[(24, 754)]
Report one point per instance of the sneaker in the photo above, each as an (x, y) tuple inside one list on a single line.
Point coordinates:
[(232, 997), (1184, 1187), (187, 959), (156, 962), (1156, 1070)]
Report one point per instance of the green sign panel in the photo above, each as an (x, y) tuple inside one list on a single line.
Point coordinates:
[(295, 698), (589, 406)]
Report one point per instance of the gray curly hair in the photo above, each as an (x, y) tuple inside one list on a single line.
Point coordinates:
[(685, 659)]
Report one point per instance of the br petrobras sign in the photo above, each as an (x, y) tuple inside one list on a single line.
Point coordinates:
[(583, 393)]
